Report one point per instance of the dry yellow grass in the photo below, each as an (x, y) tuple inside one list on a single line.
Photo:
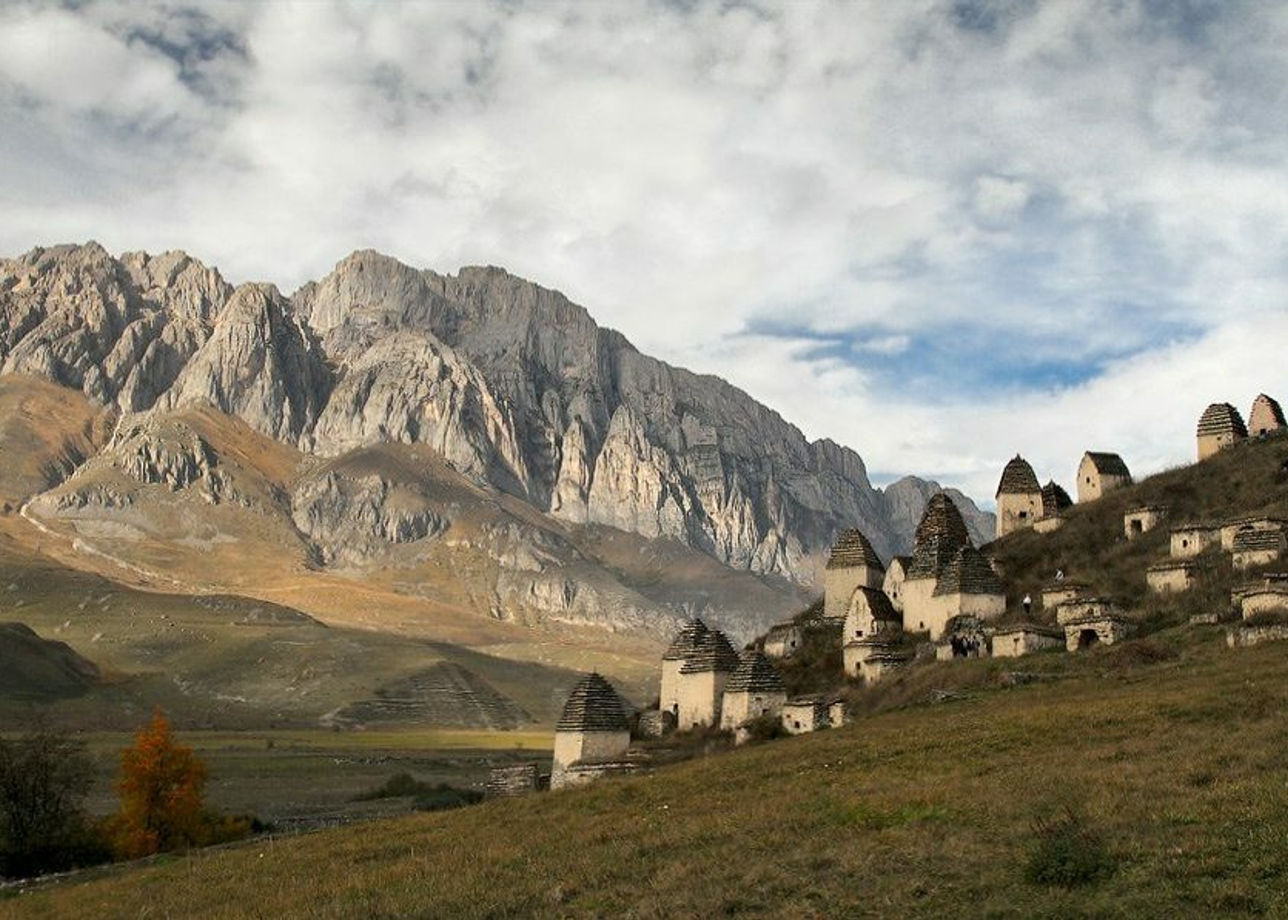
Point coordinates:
[(922, 812)]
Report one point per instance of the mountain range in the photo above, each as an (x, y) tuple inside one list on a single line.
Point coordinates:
[(470, 442)]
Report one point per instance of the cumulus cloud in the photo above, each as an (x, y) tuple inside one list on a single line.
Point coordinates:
[(940, 232)]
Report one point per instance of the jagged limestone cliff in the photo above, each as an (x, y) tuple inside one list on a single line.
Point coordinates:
[(513, 385)]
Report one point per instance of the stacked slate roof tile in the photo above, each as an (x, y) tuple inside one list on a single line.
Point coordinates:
[(1221, 418), (941, 533), (755, 674), (853, 549), (1018, 478), (969, 573), (1252, 540), (1054, 499), (685, 641), (711, 652), (593, 706), (1108, 464), (879, 605)]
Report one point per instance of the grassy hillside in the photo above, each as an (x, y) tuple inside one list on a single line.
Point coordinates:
[(1175, 766), (1091, 548)]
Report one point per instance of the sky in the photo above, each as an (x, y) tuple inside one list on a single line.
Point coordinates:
[(941, 233)]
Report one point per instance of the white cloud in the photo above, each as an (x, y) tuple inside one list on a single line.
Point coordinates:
[(1075, 180)]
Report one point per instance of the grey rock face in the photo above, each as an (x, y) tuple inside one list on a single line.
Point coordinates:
[(514, 385), (349, 519)]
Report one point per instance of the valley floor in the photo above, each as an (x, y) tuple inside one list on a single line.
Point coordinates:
[(1179, 764)]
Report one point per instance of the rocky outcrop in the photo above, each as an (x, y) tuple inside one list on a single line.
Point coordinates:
[(352, 519), (514, 385)]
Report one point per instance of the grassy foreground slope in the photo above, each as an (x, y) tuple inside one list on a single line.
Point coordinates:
[(928, 811)]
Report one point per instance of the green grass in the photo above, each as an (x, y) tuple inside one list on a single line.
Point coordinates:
[(1091, 547), (1175, 770)]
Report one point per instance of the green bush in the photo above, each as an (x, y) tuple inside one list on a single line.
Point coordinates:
[(1067, 853), (765, 728), (44, 778), (427, 797)]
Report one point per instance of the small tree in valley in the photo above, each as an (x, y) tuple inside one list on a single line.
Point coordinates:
[(44, 778), (160, 785)]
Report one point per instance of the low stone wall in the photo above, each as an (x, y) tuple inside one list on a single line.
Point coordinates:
[(519, 779), (1243, 636)]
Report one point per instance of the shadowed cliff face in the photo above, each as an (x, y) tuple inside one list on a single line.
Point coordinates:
[(513, 385)]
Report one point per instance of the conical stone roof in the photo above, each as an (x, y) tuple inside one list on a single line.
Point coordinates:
[(969, 573), (853, 549), (712, 652), (755, 674), (685, 641), (1018, 478), (1221, 418), (1054, 499), (941, 533), (593, 706)]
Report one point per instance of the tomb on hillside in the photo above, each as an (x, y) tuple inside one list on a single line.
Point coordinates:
[(804, 714), (894, 578), (1267, 597), (681, 647), (872, 637), (1099, 473), (968, 587), (852, 564), (1019, 497), (1056, 593), (1192, 539), (1092, 621), (1219, 426), (783, 640), (1257, 546), (755, 689), (1266, 417), (1231, 528), (940, 535), (1141, 520), (1055, 501), (1024, 639), (592, 732), (1172, 577), (701, 682)]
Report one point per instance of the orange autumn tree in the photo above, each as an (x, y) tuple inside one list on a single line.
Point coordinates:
[(160, 785)]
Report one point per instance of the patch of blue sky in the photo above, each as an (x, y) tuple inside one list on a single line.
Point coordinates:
[(963, 361)]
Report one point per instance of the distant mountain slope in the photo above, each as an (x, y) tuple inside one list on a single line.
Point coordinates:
[(32, 668), (515, 386)]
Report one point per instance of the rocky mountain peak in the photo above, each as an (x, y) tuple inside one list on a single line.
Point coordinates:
[(512, 383)]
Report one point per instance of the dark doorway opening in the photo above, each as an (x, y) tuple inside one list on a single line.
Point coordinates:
[(1088, 638)]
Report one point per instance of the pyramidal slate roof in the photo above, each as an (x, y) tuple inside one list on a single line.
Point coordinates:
[(755, 674), (1054, 499), (1266, 412), (941, 533), (593, 706), (685, 641), (1018, 478), (969, 573), (1107, 464), (1250, 539), (853, 549), (711, 652), (1221, 418), (879, 605)]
